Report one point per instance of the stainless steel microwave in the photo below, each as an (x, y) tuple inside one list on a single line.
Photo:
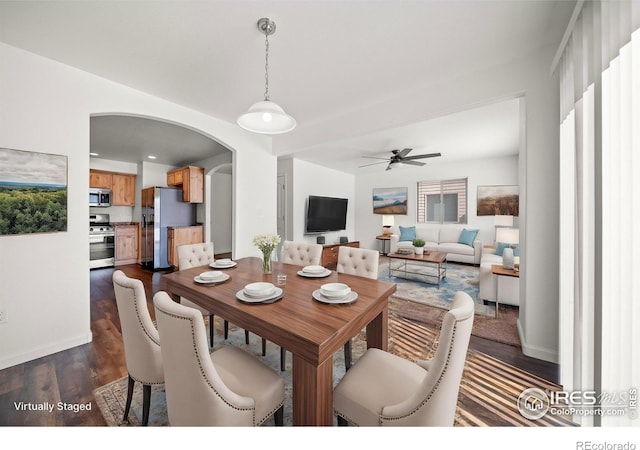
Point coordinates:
[(99, 197)]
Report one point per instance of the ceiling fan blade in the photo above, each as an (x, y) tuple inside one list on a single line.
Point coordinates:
[(413, 163), (403, 153), (428, 155), (389, 166), (373, 164), (375, 157)]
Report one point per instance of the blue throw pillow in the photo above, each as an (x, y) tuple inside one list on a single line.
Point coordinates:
[(500, 248), (467, 237), (407, 233)]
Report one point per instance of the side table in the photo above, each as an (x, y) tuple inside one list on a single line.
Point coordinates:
[(499, 271), (386, 243)]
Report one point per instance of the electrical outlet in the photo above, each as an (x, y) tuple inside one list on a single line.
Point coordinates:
[(3, 315)]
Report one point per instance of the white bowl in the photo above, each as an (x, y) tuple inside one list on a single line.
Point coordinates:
[(335, 290), (313, 269), (259, 289), (224, 262), (211, 275)]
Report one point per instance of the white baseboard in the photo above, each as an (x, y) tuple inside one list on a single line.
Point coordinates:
[(533, 351), (49, 349)]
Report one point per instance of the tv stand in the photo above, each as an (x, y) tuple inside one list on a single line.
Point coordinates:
[(330, 253)]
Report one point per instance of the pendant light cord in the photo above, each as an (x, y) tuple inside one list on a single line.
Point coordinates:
[(266, 65)]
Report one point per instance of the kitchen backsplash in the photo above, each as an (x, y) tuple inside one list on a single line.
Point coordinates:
[(116, 213)]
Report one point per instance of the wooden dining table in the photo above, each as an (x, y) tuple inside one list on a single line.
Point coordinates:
[(311, 330)]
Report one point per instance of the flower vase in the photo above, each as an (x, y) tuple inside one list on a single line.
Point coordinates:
[(266, 262)]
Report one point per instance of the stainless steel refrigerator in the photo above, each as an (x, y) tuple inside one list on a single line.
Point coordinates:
[(161, 208)]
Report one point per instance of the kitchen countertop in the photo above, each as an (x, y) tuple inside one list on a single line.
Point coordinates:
[(119, 224)]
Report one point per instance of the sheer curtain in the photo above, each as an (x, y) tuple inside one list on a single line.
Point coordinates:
[(599, 69)]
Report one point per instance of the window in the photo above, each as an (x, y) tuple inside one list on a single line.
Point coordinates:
[(442, 201)]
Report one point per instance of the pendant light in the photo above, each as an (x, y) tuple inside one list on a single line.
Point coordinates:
[(266, 117)]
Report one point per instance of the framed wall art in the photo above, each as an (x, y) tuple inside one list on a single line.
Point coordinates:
[(390, 200), (33, 192), (498, 201)]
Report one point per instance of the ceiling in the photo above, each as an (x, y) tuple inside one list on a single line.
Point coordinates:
[(326, 58)]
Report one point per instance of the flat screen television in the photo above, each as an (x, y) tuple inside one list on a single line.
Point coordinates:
[(326, 214)]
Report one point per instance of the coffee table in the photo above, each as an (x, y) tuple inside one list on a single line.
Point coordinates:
[(429, 265)]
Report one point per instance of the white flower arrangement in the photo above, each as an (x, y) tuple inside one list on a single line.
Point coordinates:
[(266, 242)]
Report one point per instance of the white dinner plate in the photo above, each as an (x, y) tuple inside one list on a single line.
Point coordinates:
[(242, 296), (349, 298), (215, 265), (223, 277), (326, 273)]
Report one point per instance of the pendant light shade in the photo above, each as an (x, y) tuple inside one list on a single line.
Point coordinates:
[(266, 117)]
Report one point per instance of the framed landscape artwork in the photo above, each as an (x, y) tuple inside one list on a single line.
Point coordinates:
[(390, 200), (33, 192), (498, 201)]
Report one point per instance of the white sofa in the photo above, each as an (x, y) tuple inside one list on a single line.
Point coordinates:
[(442, 239), (509, 287)]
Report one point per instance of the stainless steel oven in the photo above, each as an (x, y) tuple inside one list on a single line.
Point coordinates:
[(102, 242)]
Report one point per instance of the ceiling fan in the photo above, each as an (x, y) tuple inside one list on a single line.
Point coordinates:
[(400, 157)]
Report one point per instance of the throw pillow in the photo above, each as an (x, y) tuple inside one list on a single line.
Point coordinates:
[(407, 233), (501, 246), (467, 237)]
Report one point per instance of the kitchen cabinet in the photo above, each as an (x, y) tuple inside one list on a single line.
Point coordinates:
[(191, 180), (330, 253), (178, 236), (122, 185), (126, 243)]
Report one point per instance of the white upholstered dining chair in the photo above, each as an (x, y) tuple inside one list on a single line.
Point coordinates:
[(301, 253), (141, 340), (193, 255), (228, 387), (361, 262), (382, 389)]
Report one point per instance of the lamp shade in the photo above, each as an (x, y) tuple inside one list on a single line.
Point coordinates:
[(387, 221), (266, 117), (503, 221), (508, 235)]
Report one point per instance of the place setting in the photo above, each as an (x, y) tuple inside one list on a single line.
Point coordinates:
[(211, 277), (260, 293), (314, 272), (335, 293), (224, 263)]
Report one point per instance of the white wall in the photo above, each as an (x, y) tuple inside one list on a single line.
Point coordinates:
[(305, 179), (490, 171), (46, 107)]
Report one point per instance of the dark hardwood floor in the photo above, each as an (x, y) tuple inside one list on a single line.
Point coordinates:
[(71, 376)]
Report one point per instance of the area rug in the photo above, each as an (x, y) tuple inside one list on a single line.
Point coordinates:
[(459, 277), (488, 391)]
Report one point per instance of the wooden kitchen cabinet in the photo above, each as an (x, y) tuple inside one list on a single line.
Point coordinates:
[(191, 180), (330, 253), (122, 185), (126, 242), (100, 179), (178, 236)]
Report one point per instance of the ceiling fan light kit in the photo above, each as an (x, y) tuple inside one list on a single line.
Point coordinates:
[(266, 117)]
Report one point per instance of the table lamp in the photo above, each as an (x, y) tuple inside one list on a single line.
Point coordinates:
[(502, 221), (387, 223), (509, 236)]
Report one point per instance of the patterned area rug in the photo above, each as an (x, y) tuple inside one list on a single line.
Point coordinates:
[(459, 277), (488, 391)]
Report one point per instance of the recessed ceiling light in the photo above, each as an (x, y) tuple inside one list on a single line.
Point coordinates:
[(93, 154), (151, 157)]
